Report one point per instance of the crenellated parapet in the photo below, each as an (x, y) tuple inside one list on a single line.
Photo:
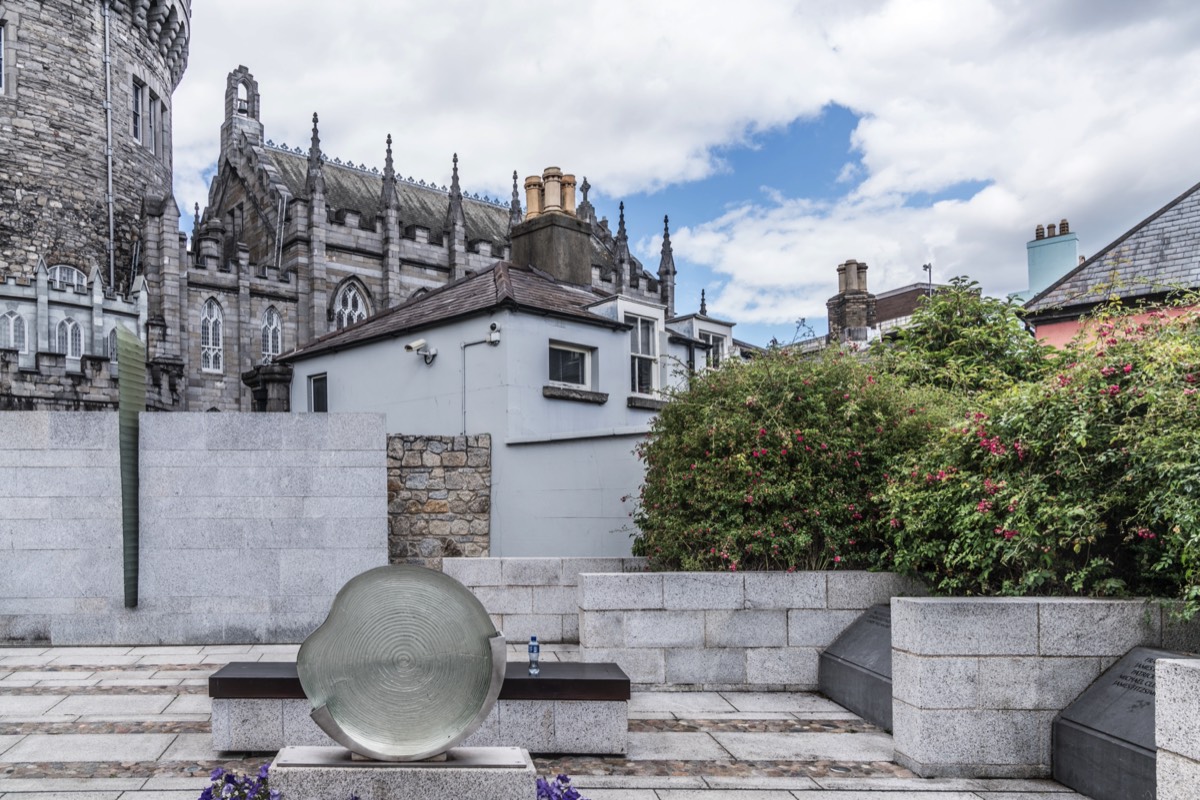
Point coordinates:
[(163, 26)]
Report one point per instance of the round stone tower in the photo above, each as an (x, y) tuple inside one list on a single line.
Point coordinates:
[(85, 135)]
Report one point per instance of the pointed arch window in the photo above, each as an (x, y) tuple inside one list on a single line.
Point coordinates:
[(272, 334), (12, 332), (349, 307), (212, 323), (70, 338), (112, 347)]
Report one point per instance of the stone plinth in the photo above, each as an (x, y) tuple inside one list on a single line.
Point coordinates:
[(1177, 727), (755, 631), (977, 683), (321, 773)]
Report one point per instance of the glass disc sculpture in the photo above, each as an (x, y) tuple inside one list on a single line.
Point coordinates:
[(406, 665)]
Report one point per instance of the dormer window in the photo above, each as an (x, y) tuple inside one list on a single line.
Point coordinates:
[(716, 348), (65, 277)]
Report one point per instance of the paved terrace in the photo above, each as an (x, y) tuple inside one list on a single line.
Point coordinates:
[(132, 723)]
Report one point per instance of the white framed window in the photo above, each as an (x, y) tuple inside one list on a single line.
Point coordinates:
[(318, 393), (643, 354), (12, 332), (570, 366), (716, 348), (272, 334), (70, 338), (66, 277), (349, 307), (137, 109), (212, 321)]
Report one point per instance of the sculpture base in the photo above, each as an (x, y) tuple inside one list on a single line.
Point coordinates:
[(321, 773)]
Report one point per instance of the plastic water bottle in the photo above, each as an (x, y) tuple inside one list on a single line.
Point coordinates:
[(535, 654)]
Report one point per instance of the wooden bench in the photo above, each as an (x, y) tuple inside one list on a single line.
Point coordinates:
[(570, 707)]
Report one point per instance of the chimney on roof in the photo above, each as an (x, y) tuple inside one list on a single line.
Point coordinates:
[(852, 310), (1053, 253), (552, 238)]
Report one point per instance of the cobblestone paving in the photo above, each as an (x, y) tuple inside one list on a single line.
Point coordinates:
[(66, 732)]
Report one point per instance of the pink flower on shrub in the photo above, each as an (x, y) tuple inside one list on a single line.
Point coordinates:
[(1128, 368), (983, 507), (895, 523)]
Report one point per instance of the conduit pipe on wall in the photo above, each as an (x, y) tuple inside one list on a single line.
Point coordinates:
[(108, 148), (493, 338)]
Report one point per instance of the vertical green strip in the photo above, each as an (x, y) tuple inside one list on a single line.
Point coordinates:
[(131, 374)]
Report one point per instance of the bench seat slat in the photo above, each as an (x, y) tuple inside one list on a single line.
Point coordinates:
[(559, 680)]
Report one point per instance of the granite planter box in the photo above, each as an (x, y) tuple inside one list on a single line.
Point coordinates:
[(1177, 727), (532, 596), (720, 630), (977, 682)]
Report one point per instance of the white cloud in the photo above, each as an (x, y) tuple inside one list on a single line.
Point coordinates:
[(1087, 110)]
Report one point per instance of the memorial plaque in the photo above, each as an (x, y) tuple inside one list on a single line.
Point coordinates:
[(1104, 741), (856, 670)]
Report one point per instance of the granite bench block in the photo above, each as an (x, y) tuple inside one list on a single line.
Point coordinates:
[(1177, 776), (705, 666), (643, 665), (963, 743), (531, 571), (817, 628), (1087, 627), (746, 628), (692, 591), (664, 628), (786, 590), (611, 592), (783, 666), (1177, 708), (247, 724), (976, 626)]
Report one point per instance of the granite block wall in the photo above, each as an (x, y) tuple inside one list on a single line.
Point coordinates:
[(1177, 727), (439, 494), (755, 631), (250, 523), (532, 596), (976, 683), (60, 517)]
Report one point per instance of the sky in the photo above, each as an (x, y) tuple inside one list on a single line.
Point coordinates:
[(782, 138)]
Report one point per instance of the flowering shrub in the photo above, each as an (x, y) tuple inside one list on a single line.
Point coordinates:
[(776, 464), (227, 785), (1083, 483), (561, 789), (959, 339)]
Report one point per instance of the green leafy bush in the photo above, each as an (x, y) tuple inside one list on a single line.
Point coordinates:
[(1082, 483), (777, 464), (959, 339)]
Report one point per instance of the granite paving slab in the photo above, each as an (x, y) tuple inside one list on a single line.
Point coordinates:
[(680, 702), (8, 740), (39, 747), (191, 747), (97, 705), (780, 701), (59, 796), (28, 705), (190, 704), (66, 785), (758, 782), (675, 746), (807, 746), (731, 794)]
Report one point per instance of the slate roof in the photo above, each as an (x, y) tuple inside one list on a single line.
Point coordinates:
[(347, 188), (1158, 255), (502, 285)]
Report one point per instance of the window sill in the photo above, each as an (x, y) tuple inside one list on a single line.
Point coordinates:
[(645, 403), (576, 395)]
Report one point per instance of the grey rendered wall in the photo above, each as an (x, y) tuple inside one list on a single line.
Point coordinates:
[(250, 523), (60, 517), (559, 468)]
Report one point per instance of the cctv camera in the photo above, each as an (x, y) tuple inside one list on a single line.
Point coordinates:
[(494, 326), (417, 344)]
